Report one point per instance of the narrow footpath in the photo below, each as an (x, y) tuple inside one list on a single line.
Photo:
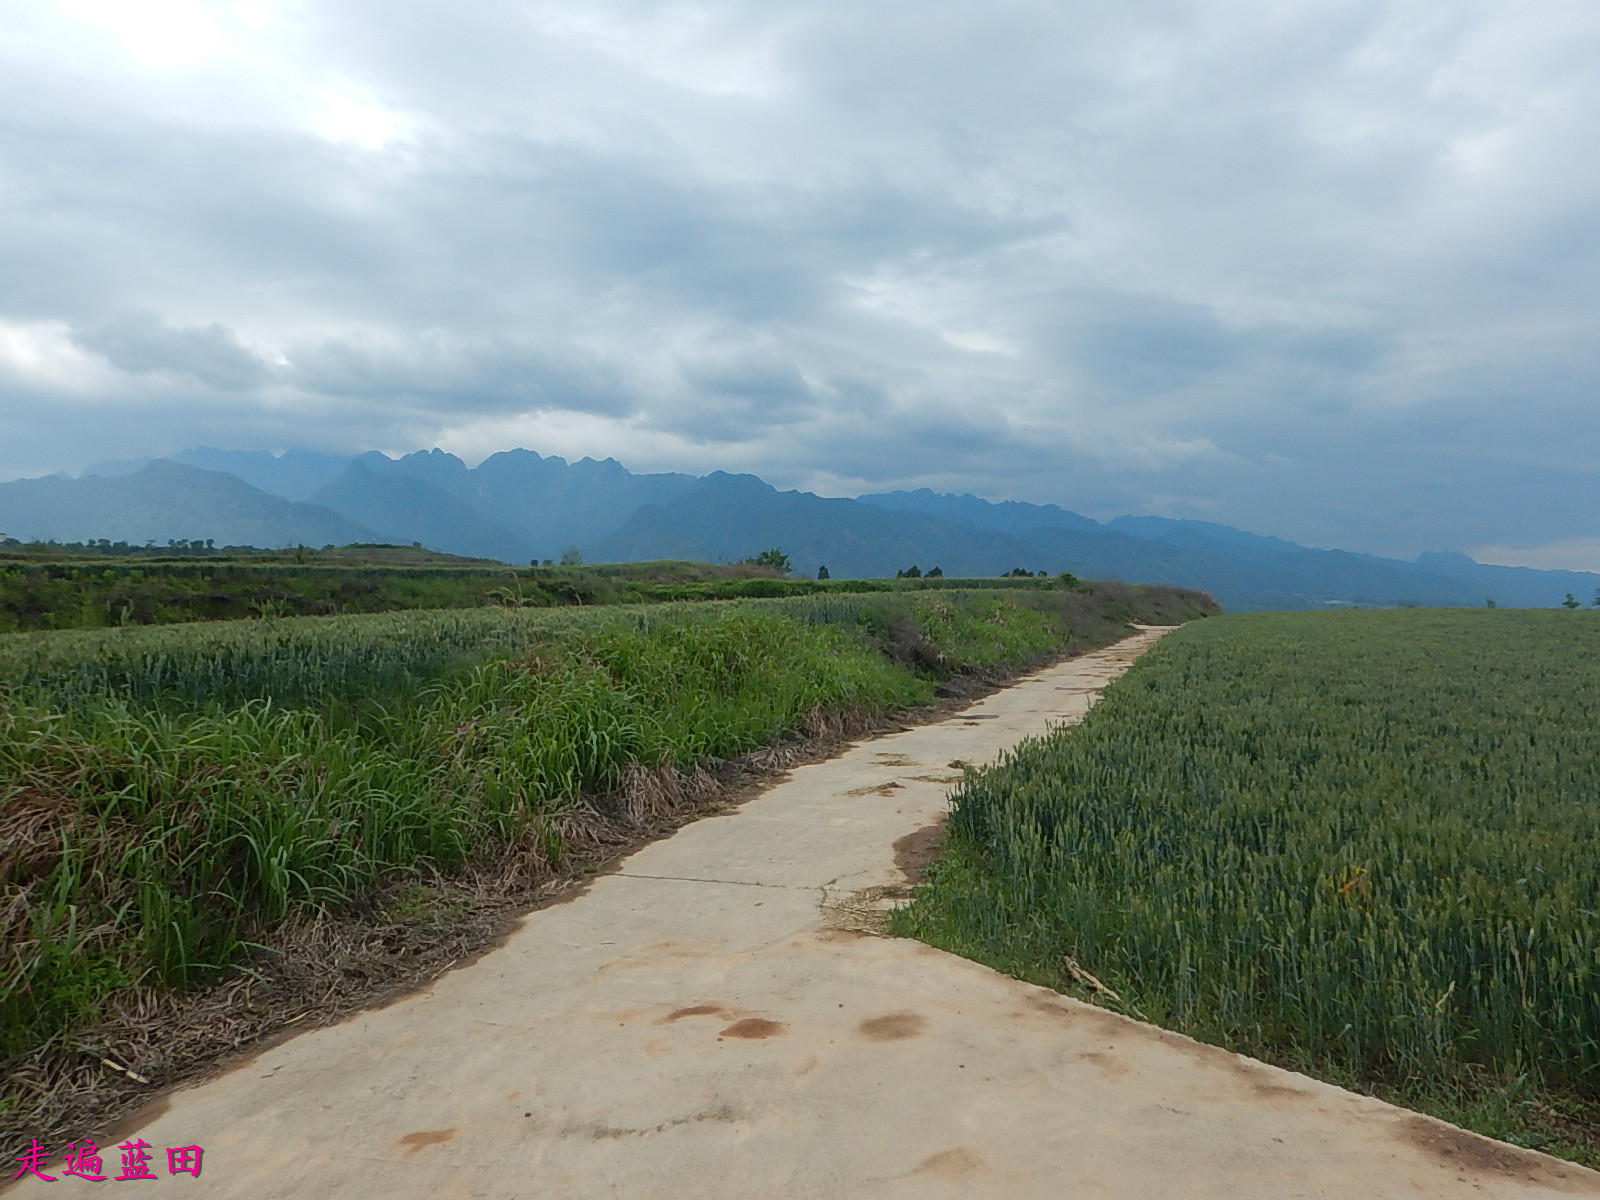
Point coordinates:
[(715, 1019)]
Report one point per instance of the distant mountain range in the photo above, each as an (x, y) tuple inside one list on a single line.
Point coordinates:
[(520, 506)]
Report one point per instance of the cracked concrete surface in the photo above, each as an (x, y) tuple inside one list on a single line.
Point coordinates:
[(708, 1021)]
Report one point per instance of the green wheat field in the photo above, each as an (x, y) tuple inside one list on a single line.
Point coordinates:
[(1364, 845)]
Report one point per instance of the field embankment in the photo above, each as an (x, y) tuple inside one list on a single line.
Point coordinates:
[(176, 797), (114, 592), (1361, 845)]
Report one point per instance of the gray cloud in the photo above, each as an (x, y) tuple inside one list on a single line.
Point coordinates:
[(1324, 271), (140, 344)]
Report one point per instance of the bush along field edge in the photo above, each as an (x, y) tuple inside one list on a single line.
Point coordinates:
[(213, 832), (1362, 846)]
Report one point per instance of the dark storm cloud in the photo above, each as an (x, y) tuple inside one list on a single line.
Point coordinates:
[(1324, 269), (140, 344)]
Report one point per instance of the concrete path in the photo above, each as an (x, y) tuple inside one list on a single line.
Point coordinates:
[(697, 1024)]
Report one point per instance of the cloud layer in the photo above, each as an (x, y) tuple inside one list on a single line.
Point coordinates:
[(1323, 269)]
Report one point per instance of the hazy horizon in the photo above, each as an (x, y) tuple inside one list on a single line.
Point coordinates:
[(1579, 555)]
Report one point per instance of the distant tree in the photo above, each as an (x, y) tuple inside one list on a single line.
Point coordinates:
[(1068, 579), (934, 573), (822, 572), (1570, 602), (774, 558), (911, 572), (1017, 573), (572, 557), (1595, 603), (1488, 602)]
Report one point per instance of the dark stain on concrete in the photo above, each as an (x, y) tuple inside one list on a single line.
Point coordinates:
[(694, 1010), (1108, 1065), (425, 1137), (1049, 1007), (601, 1133), (917, 849), (1459, 1150), (754, 1028), (1264, 1082), (1102, 1021), (877, 789), (895, 1027)]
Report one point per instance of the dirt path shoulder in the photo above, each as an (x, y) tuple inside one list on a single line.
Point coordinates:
[(715, 1017)]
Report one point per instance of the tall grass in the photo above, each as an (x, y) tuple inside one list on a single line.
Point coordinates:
[(169, 794), (1366, 845), (334, 661)]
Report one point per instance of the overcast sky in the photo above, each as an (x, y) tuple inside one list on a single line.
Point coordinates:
[(1320, 268)]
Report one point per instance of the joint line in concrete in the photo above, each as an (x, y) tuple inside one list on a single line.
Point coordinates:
[(730, 882)]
